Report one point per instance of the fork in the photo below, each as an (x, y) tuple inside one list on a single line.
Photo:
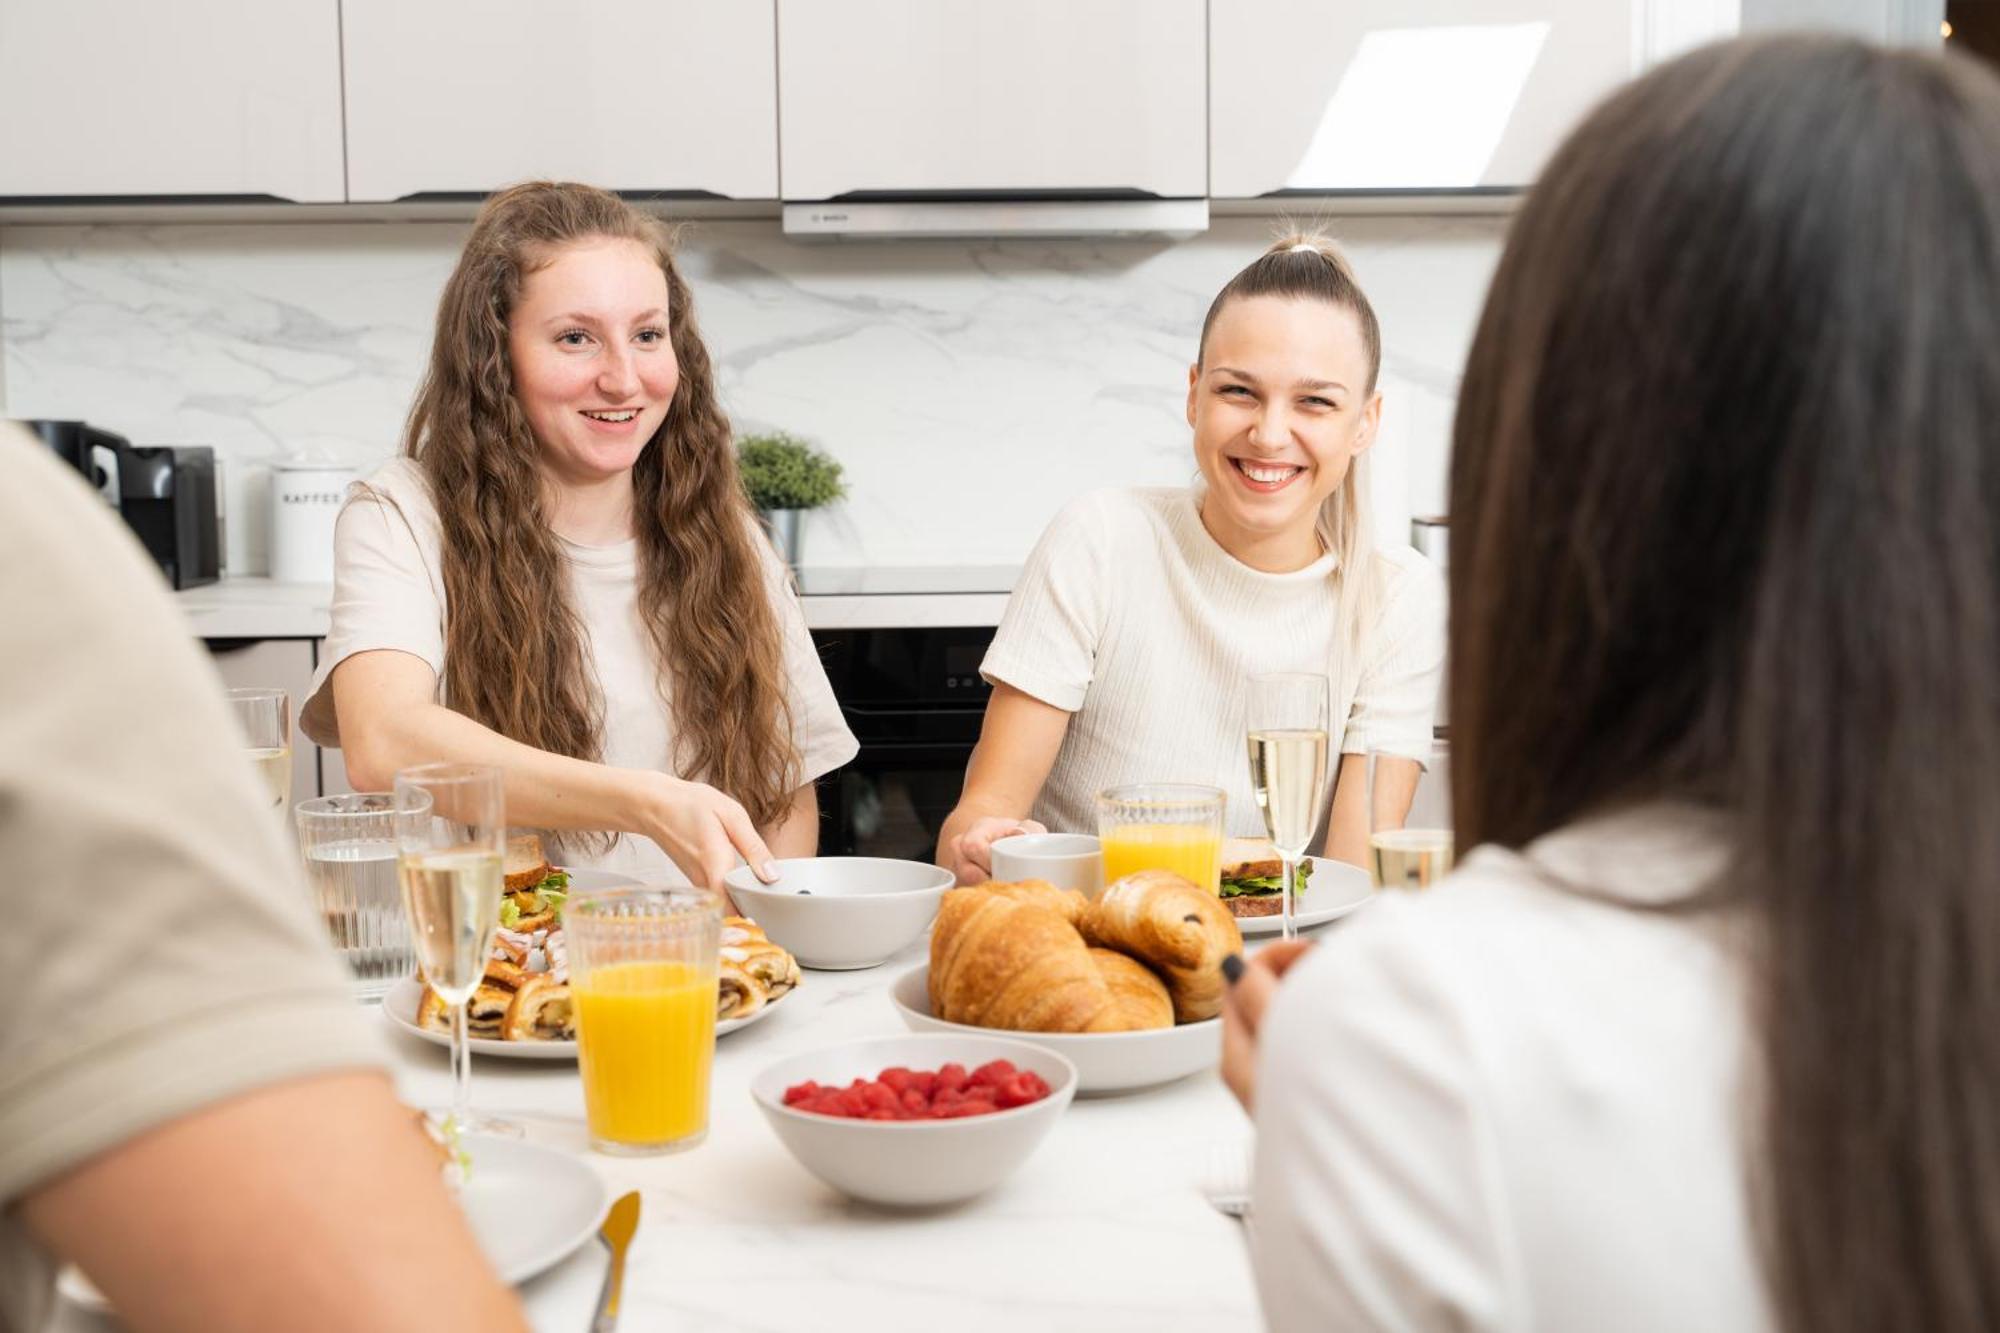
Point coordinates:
[(1226, 1182)]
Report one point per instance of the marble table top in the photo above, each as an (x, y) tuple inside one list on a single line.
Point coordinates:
[(1104, 1228)]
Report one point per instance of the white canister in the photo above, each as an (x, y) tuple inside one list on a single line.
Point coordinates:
[(305, 500)]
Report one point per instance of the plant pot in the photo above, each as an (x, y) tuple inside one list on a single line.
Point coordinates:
[(783, 525)]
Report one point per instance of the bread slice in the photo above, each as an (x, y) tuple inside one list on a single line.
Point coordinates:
[(527, 864), (1249, 858)]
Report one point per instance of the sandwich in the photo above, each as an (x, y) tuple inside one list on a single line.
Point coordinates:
[(535, 890), (1252, 877)]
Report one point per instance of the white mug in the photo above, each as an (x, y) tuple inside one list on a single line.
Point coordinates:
[(1066, 860)]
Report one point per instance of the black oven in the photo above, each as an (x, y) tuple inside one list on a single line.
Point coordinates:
[(914, 700)]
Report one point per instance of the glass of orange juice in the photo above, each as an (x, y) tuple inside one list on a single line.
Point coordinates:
[(642, 967), (1162, 826)]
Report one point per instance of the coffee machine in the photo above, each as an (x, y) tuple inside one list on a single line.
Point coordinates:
[(171, 497)]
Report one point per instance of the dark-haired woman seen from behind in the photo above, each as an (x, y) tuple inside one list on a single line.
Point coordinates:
[(564, 578), (1706, 1033)]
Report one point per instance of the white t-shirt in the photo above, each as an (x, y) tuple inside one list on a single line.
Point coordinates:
[(1504, 1104), (389, 593), (1130, 616)]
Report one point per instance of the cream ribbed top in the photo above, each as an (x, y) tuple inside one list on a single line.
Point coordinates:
[(1130, 616)]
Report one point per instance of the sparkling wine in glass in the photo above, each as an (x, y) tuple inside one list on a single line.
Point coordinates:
[(451, 839), (1409, 839), (1288, 769), (265, 715)]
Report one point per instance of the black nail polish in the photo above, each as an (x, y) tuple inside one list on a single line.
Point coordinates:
[(1232, 968)]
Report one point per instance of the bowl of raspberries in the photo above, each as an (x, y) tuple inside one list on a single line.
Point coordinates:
[(919, 1120)]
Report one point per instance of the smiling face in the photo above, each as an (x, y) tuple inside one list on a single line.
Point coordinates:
[(594, 370), (1281, 403)]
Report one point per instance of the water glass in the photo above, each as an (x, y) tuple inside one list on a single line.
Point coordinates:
[(642, 976), (1163, 826), (1409, 842), (349, 846), (265, 717)]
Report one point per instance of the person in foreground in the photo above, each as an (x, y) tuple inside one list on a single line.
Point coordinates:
[(1705, 1033), (1141, 614), (191, 1108), (564, 577)]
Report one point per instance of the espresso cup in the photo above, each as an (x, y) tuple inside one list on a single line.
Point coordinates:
[(1066, 860)]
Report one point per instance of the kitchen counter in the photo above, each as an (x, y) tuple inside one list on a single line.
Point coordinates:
[(833, 598)]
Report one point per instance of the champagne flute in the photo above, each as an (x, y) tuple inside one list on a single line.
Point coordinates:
[(1409, 833), (451, 841), (1288, 768), (265, 715)]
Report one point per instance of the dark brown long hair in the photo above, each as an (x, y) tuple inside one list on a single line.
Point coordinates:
[(515, 656), (1726, 512)]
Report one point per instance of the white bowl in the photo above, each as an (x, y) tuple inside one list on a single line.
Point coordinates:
[(838, 913), (912, 1163), (1105, 1061)]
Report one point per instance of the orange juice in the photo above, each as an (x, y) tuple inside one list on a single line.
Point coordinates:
[(645, 1040), (1192, 851)]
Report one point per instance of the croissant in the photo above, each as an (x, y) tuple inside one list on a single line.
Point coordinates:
[(1136, 988), (1068, 903), (1180, 930), (999, 962)]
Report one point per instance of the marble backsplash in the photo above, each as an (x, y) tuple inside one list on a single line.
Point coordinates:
[(970, 387)]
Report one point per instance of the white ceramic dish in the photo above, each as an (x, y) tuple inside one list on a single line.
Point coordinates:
[(399, 1007), (529, 1206), (913, 1163), (842, 913), (1105, 1061), (1334, 889)]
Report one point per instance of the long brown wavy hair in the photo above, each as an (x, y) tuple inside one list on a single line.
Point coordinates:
[(515, 649), (1726, 529)]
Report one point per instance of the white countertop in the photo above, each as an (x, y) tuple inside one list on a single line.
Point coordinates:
[(1103, 1228), (259, 608)]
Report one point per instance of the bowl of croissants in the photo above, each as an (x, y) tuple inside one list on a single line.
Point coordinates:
[(1126, 986)]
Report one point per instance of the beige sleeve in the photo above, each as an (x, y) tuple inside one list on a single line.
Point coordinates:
[(159, 948), (1395, 703), (1047, 642), (387, 589), (819, 732)]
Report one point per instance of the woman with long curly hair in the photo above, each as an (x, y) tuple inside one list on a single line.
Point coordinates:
[(1705, 1032), (563, 576)]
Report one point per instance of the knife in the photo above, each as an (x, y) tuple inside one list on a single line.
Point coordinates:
[(616, 1233)]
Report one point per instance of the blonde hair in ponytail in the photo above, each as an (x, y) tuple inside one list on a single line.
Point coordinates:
[(1309, 266)]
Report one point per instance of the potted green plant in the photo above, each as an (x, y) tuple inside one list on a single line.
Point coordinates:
[(785, 476)]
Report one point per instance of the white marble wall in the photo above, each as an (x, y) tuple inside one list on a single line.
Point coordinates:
[(969, 387)]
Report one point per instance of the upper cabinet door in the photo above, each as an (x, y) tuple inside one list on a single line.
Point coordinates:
[(940, 96), (1426, 95), (196, 97), (464, 96)]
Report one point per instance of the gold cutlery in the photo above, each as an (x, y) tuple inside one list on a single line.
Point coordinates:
[(616, 1233)]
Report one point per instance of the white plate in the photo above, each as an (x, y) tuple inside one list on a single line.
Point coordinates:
[(399, 1006), (530, 1207), (1105, 1061), (1334, 889)]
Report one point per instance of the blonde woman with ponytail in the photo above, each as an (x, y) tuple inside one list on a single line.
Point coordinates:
[(1125, 648), (563, 576)]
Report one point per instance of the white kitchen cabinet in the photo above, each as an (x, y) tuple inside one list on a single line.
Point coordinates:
[(1417, 95), (197, 97), (284, 664), (936, 97), (463, 96)]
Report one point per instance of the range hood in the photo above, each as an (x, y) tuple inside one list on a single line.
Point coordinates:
[(1043, 214)]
